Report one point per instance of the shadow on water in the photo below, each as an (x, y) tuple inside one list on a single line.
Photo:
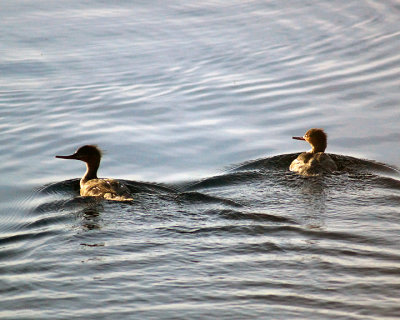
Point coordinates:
[(344, 163), (258, 195), (276, 169), (269, 188), (257, 190)]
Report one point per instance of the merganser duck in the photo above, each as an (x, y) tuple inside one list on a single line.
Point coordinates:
[(109, 189), (316, 161)]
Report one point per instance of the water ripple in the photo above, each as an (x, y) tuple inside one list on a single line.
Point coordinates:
[(187, 94)]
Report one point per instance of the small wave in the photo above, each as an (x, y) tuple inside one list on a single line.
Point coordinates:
[(194, 197), (354, 165), (25, 236), (344, 163), (253, 216), (286, 231), (223, 180), (67, 186), (49, 220)]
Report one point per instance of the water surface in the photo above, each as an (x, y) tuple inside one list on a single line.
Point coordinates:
[(185, 97)]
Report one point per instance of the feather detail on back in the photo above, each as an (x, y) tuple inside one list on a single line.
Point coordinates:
[(311, 164), (109, 189)]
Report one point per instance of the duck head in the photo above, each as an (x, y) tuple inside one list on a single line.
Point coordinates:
[(317, 138), (88, 154), (91, 155)]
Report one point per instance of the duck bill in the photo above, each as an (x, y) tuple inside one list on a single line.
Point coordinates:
[(72, 156), (299, 138)]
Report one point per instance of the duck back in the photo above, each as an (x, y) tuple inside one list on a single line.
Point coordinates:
[(109, 189), (311, 164)]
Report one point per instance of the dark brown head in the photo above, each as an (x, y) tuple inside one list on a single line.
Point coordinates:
[(88, 154), (317, 138)]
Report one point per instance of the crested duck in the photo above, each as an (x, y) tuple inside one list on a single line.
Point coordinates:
[(315, 161), (90, 185)]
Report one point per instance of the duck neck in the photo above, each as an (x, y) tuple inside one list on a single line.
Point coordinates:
[(316, 149), (91, 172)]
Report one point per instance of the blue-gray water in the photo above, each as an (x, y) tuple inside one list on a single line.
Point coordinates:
[(184, 96)]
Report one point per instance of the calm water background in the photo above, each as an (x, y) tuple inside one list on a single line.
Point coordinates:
[(176, 92)]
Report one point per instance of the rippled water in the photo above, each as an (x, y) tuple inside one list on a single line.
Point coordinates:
[(185, 95)]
